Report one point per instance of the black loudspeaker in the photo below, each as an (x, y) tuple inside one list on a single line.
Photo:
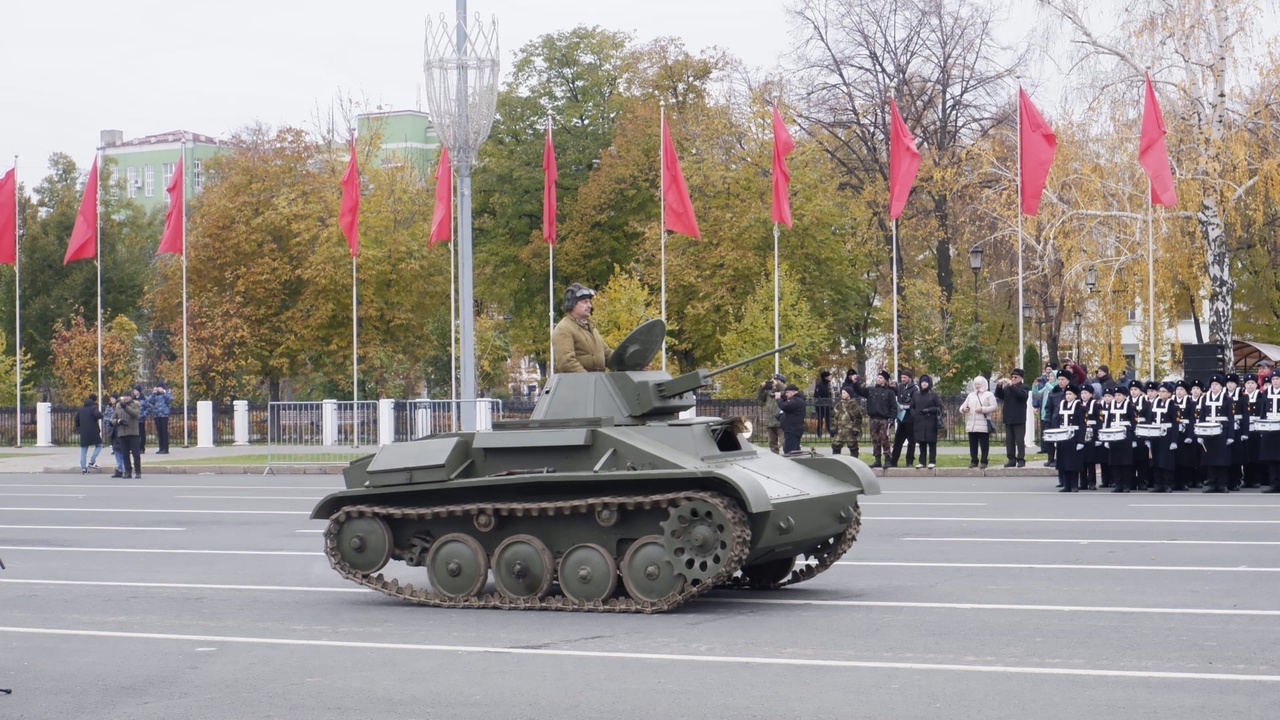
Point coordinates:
[(1203, 361)]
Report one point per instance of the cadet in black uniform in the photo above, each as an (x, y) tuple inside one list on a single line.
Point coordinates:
[(1269, 451), (1069, 460), (1216, 409), (1164, 465)]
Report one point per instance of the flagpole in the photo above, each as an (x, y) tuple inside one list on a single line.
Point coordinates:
[(17, 304), (98, 260), (777, 340), (1151, 281), (186, 431), (551, 288), (453, 317), (355, 359), (1018, 356), (897, 368), (662, 195)]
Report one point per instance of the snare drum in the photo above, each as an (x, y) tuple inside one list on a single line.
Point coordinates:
[(1059, 434), (1150, 430), (1267, 425), (1113, 434), (1207, 429)]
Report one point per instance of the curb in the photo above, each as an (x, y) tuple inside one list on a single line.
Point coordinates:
[(214, 470)]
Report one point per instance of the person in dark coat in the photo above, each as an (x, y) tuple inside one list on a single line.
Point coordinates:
[(161, 404), (1089, 455), (1269, 451), (1012, 394), (1187, 457), (1052, 406), (792, 404), (1216, 409), (882, 408), (1164, 450), (127, 417), (926, 408), (906, 421), (822, 402), (89, 424)]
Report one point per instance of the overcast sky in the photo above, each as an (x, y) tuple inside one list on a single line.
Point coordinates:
[(149, 66)]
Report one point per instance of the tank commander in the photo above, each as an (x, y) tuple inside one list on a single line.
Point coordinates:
[(575, 342)]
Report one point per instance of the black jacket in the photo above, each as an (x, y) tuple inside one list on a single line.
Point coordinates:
[(88, 422), (792, 413), (882, 401), (1053, 406), (907, 393), (1013, 403)]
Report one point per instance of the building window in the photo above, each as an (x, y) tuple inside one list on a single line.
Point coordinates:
[(197, 176), (149, 180), (167, 170), (131, 181)]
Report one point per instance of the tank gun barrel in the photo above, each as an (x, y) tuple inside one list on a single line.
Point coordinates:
[(700, 378)]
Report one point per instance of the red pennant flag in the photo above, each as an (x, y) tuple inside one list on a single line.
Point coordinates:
[(349, 210), (84, 235), (549, 175), (1153, 155), (9, 217), (904, 161), (675, 194), (782, 147), (171, 239), (442, 216), (1036, 146)]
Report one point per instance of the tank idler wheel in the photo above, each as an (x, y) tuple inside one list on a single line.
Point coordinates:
[(364, 543), (769, 573), (698, 536), (457, 566), (522, 567), (588, 574), (647, 571)]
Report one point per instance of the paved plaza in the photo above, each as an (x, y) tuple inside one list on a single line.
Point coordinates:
[(206, 596)]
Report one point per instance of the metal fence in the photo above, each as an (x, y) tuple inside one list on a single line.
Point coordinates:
[(418, 418), (325, 432)]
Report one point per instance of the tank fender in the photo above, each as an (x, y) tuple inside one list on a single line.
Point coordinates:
[(850, 470)]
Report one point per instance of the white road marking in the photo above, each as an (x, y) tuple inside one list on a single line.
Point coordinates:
[(141, 510), (83, 527), (246, 497), (866, 517), (96, 486), (971, 492), (661, 657), (1072, 541), (308, 531), (168, 551), (921, 504), (1049, 566), (40, 495), (1212, 505), (701, 600)]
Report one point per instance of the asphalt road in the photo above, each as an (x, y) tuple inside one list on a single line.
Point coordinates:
[(208, 597)]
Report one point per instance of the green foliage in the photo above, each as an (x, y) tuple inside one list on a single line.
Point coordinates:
[(621, 305), (8, 372), (75, 358), (752, 332)]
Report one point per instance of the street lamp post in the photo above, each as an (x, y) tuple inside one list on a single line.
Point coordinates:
[(975, 264), (1050, 313), (1079, 320), (1091, 277), (1026, 318)]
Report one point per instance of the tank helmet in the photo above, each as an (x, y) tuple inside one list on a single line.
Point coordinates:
[(576, 292)]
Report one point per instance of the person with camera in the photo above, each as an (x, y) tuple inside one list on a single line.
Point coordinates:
[(88, 420), (906, 431), (126, 419), (791, 403), (926, 408), (576, 344), (161, 404), (768, 393), (882, 408), (1013, 394)]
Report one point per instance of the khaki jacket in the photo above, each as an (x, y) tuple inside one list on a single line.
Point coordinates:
[(578, 347)]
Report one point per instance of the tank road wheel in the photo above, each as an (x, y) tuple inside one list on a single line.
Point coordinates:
[(768, 574), (457, 566), (698, 536), (522, 567), (364, 543), (647, 570), (588, 574)]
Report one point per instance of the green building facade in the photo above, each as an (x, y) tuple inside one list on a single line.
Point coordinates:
[(145, 165), (406, 137)]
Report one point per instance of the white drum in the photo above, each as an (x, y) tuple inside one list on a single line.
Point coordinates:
[(1059, 434), (1113, 434), (1267, 425), (1150, 430), (1207, 429)]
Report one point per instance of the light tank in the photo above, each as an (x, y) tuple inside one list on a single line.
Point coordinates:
[(605, 500)]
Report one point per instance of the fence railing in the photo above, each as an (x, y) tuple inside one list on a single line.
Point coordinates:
[(324, 432)]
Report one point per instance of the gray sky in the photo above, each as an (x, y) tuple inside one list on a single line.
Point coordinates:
[(149, 66)]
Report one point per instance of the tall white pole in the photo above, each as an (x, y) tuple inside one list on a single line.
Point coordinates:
[(897, 369), (17, 304), (662, 197), (1151, 284), (551, 290), (453, 322), (186, 432), (777, 332), (1017, 358), (355, 359), (98, 261)]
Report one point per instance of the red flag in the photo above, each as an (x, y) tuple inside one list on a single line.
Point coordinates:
[(84, 235), (549, 175), (349, 210), (675, 194), (8, 217), (782, 147), (442, 216), (171, 239), (1153, 155), (904, 161), (1036, 146)]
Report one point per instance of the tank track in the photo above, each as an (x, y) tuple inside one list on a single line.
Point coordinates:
[(815, 562), (623, 604)]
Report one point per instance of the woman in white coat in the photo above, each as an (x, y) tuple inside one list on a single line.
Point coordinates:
[(977, 409)]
